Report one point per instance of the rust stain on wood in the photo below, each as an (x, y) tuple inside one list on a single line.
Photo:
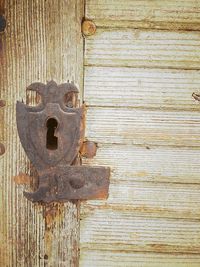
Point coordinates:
[(2, 149), (2, 8), (2, 103), (22, 179), (52, 212), (54, 215)]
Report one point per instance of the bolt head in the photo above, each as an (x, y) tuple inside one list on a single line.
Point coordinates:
[(88, 27)]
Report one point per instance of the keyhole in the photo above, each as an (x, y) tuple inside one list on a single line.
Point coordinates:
[(51, 139)]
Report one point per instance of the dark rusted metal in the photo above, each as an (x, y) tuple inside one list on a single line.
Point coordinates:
[(88, 27), (2, 23), (71, 183), (88, 149), (2, 103), (52, 134), (196, 96), (2, 149)]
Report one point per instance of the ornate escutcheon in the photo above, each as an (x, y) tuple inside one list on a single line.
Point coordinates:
[(52, 134)]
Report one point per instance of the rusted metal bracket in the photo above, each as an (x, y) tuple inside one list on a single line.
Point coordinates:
[(52, 134), (196, 96)]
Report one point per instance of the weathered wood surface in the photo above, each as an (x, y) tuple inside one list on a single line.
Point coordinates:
[(156, 182), (42, 41), (144, 127), (139, 82), (178, 201), (165, 14), (141, 88), (159, 164), (143, 48), (136, 259), (123, 230)]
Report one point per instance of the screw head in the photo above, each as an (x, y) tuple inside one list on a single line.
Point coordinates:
[(88, 27), (77, 182), (89, 149)]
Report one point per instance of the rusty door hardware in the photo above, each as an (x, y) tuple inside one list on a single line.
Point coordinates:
[(2, 23), (196, 96), (52, 134)]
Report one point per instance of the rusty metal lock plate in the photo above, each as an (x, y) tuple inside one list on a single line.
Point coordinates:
[(52, 134)]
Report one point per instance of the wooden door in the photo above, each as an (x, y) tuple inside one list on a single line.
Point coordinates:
[(141, 68), (137, 74), (42, 41)]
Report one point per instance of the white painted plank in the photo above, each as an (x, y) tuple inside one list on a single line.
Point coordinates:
[(146, 127), (122, 230), (141, 88), (147, 181), (142, 48), (155, 164), (163, 200), (114, 258), (160, 182), (165, 14)]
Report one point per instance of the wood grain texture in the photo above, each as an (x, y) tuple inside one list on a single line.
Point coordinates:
[(158, 200), (159, 164), (165, 14), (156, 182), (2, 3), (144, 127), (141, 68), (141, 88), (42, 41), (143, 48), (99, 258), (122, 230)]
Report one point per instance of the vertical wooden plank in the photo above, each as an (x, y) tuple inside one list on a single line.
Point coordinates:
[(2, 7), (42, 41)]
